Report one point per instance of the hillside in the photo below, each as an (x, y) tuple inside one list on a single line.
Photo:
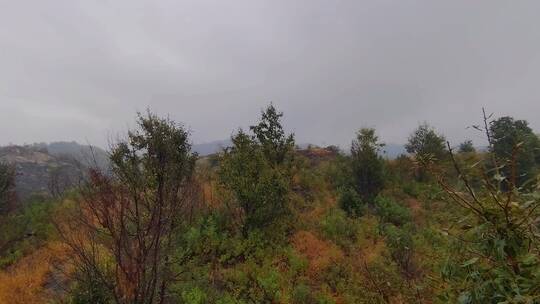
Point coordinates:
[(87, 155), (269, 222), (49, 169)]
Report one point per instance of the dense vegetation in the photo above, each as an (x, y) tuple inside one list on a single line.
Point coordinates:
[(266, 222)]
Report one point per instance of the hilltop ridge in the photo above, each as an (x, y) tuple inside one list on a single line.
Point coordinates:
[(49, 169)]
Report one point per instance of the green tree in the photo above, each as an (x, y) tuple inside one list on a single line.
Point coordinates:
[(506, 134), (257, 170), (426, 146), (466, 147), (367, 164), (270, 135), (425, 142), (401, 246), (391, 212)]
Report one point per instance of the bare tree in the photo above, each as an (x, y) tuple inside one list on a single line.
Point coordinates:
[(122, 230)]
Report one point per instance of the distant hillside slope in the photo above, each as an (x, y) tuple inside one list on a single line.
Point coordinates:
[(212, 147), (87, 155), (390, 151), (51, 168)]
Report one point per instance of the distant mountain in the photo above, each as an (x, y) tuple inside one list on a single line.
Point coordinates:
[(212, 147), (392, 151), (87, 155), (51, 168)]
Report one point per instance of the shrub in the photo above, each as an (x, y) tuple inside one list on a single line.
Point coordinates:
[(325, 299), (338, 228), (228, 299), (351, 203), (90, 291), (338, 172), (25, 229), (302, 294), (269, 281), (194, 296), (391, 212), (297, 264), (400, 242), (496, 252), (412, 189)]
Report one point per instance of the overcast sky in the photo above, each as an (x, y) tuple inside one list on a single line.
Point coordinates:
[(79, 70)]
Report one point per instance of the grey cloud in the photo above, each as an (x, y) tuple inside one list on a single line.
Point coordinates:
[(81, 69)]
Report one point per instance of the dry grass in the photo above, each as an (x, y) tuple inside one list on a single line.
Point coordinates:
[(320, 254), (24, 282), (416, 210)]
